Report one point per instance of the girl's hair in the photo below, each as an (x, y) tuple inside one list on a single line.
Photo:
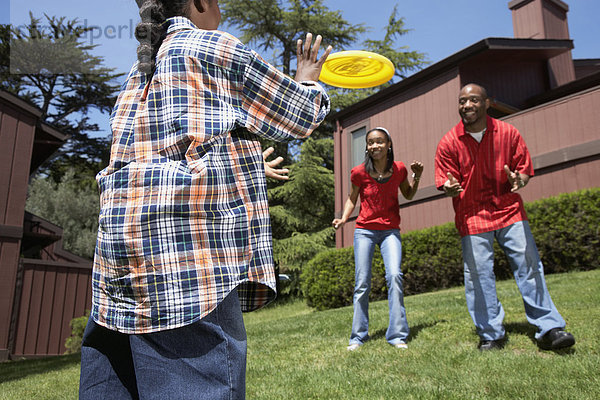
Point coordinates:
[(390, 155), (151, 31)]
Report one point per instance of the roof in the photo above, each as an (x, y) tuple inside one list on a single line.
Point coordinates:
[(579, 85), (20, 103), (519, 3), (47, 141), (47, 138), (489, 48)]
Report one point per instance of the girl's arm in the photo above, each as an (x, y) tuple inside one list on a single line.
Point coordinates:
[(408, 190), (348, 208)]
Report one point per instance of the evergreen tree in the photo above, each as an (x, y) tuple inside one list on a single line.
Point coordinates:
[(71, 204), (276, 25), (303, 207), (404, 60), (51, 67)]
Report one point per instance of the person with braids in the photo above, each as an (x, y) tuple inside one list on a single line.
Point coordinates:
[(377, 181), (184, 240)]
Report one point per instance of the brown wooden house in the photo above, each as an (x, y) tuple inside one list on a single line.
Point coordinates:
[(42, 286), (535, 85)]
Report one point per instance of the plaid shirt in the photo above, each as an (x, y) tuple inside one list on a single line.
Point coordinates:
[(486, 203), (184, 216)]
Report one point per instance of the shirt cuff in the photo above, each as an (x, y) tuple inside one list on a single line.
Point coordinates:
[(314, 84), (325, 102)]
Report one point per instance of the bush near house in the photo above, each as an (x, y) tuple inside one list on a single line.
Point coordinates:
[(73, 342), (566, 229)]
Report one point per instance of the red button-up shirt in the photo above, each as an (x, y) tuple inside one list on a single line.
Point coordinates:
[(486, 202)]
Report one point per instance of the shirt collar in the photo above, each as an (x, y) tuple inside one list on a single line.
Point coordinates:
[(489, 128), (179, 23)]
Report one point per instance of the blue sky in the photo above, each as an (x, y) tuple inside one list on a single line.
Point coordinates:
[(439, 28)]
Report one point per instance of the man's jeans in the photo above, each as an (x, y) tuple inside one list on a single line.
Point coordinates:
[(390, 245), (203, 360), (480, 282)]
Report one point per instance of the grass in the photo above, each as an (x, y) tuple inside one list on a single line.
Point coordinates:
[(297, 353)]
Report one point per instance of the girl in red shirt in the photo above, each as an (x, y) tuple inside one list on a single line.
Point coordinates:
[(377, 181)]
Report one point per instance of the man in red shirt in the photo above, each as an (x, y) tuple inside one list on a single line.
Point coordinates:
[(481, 163)]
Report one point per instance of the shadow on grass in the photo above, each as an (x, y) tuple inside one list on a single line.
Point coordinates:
[(18, 369), (523, 328), (414, 330)]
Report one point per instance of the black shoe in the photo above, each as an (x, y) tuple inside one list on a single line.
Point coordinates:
[(485, 345), (555, 339)]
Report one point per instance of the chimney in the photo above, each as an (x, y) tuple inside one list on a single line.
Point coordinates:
[(545, 19)]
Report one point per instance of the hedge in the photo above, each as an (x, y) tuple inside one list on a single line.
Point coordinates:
[(566, 229)]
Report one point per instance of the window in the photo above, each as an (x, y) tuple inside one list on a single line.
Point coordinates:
[(357, 146)]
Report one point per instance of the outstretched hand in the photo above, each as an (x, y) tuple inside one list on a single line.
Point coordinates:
[(452, 187), (516, 179), (270, 170), (309, 68), (337, 222)]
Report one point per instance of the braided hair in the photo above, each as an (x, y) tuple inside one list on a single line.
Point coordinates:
[(151, 31)]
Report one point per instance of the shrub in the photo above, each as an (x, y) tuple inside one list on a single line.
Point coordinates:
[(328, 279), (73, 342), (566, 229)]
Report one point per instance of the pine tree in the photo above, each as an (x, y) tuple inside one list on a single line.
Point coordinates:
[(50, 66), (303, 207)]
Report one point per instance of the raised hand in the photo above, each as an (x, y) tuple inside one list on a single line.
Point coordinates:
[(417, 168), (451, 186), (309, 68), (516, 179), (270, 171)]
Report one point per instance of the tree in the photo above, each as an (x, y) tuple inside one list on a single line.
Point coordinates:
[(71, 204), (302, 208), (404, 60), (52, 68), (276, 25)]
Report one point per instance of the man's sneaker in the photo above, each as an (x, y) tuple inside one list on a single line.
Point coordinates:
[(556, 338), (485, 345), (400, 345), (353, 346)]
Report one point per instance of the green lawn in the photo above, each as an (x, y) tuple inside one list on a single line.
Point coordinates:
[(297, 353)]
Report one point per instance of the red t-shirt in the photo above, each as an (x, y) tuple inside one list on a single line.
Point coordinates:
[(379, 208), (486, 202)]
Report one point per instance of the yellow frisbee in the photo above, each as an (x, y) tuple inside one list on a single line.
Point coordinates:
[(356, 69)]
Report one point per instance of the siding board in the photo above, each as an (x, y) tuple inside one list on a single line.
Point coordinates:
[(46, 310), (8, 133), (55, 333), (556, 126)]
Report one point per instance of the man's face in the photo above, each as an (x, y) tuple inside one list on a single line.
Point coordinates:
[(472, 105)]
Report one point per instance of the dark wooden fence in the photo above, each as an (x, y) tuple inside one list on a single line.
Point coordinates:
[(49, 295), (38, 297)]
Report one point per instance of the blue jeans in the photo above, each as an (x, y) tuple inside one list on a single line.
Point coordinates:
[(203, 360), (391, 250), (480, 282)]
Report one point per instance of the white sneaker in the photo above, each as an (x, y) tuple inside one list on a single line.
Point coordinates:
[(353, 347), (401, 345)]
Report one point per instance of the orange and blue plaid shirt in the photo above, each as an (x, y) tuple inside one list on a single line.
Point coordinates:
[(184, 216)]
